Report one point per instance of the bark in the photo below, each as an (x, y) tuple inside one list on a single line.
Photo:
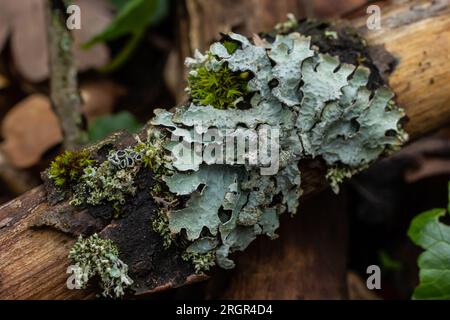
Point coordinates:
[(33, 262)]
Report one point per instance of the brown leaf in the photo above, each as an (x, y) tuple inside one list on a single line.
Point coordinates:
[(29, 129)]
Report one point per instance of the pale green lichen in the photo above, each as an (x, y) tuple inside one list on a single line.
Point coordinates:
[(314, 105), (105, 183), (97, 257), (113, 180), (336, 175)]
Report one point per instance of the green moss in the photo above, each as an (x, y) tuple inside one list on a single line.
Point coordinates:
[(219, 88), (68, 168), (153, 152), (105, 183), (97, 257), (338, 174), (202, 262)]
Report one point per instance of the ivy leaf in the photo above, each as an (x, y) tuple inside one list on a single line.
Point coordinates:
[(105, 125), (427, 232)]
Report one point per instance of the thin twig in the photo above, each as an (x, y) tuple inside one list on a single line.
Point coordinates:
[(64, 94)]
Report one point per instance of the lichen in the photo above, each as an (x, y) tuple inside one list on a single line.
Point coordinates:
[(280, 90), (338, 174), (68, 167), (112, 180), (97, 257), (202, 262), (105, 183), (218, 87), (321, 107)]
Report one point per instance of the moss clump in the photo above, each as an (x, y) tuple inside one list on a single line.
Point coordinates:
[(97, 257), (68, 168), (202, 262), (219, 88)]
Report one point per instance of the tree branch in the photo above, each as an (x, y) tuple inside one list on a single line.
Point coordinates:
[(33, 262), (64, 94)]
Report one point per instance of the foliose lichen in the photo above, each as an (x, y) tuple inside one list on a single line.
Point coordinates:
[(97, 257)]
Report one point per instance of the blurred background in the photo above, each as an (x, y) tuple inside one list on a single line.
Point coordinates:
[(137, 66)]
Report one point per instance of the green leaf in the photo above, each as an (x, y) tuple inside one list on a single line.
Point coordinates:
[(427, 232), (105, 125)]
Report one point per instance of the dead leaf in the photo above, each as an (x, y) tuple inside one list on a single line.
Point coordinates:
[(24, 21), (29, 129)]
